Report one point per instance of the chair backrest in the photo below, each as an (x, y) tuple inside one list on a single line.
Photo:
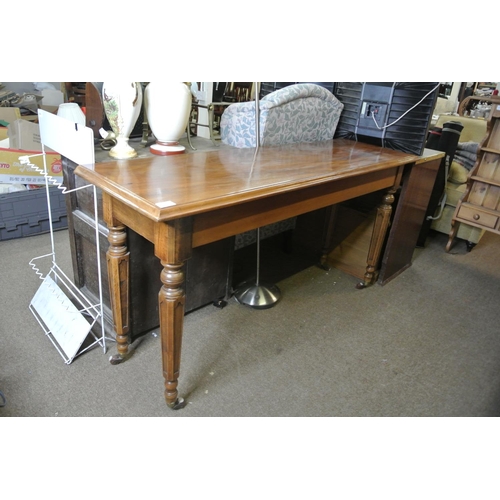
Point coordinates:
[(297, 91), (303, 112)]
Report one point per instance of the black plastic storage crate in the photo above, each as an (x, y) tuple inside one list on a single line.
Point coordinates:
[(25, 213)]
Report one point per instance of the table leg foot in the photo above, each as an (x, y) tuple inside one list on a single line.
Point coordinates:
[(123, 355), (220, 303), (178, 404), (324, 266), (116, 359)]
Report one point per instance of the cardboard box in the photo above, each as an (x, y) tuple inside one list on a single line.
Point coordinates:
[(50, 109), (13, 113), (9, 115), (12, 171), (25, 135), (24, 140)]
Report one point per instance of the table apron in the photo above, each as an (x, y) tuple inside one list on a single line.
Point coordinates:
[(117, 212), (221, 223)]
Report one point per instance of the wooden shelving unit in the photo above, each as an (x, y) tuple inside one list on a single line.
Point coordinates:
[(470, 103), (480, 204), (75, 92)]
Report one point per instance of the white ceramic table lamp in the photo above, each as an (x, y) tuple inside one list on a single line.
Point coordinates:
[(122, 103), (168, 105)]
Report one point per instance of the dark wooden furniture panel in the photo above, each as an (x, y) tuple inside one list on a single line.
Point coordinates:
[(356, 217), (409, 216)]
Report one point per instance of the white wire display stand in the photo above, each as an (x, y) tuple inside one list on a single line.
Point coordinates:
[(66, 316)]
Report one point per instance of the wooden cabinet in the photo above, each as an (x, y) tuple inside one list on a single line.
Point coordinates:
[(480, 204)]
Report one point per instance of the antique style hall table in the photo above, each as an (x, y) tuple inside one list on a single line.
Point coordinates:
[(181, 202)]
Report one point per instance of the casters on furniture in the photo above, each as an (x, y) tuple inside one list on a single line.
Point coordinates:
[(116, 359), (220, 303), (470, 245), (120, 357), (324, 266), (178, 404)]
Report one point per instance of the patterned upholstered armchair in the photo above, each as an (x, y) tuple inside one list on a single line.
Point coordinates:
[(304, 112)]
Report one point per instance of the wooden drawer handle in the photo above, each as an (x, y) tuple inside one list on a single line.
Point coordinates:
[(476, 217)]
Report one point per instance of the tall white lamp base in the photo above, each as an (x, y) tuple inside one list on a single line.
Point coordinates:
[(167, 148), (122, 150)]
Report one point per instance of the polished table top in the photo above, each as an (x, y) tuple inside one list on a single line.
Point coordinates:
[(166, 188)]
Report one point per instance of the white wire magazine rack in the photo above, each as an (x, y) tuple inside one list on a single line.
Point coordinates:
[(65, 314)]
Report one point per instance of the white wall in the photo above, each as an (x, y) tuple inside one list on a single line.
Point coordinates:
[(204, 98), (449, 105)]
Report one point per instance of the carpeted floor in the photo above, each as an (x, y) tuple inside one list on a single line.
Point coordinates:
[(425, 344)]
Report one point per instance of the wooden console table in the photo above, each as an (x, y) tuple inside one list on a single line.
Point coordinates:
[(185, 201)]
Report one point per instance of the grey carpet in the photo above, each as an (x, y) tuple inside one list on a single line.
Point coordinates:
[(425, 344)]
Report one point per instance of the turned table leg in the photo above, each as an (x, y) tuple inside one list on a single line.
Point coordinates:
[(380, 227), (118, 274), (173, 248), (171, 303)]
